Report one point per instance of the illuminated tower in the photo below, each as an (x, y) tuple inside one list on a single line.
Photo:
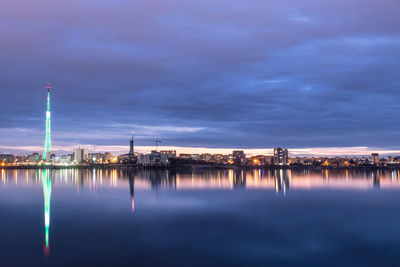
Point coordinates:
[(46, 181), (47, 139)]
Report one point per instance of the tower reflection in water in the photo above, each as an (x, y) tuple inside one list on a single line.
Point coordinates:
[(132, 190), (47, 184)]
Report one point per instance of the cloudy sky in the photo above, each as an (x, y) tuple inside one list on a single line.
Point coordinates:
[(209, 73)]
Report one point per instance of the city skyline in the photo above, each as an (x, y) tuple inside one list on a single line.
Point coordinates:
[(294, 152), (297, 82)]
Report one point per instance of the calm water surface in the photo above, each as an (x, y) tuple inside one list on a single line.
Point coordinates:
[(259, 217)]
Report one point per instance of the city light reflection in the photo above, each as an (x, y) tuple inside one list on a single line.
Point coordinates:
[(263, 179)]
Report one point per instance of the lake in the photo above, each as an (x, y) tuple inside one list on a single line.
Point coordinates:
[(100, 217)]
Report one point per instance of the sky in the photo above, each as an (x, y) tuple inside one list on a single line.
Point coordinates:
[(320, 76)]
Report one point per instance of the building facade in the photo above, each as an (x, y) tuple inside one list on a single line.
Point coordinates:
[(375, 158), (238, 157), (34, 158), (281, 156), (80, 155), (7, 158)]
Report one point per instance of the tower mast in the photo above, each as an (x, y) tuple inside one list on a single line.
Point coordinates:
[(47, 139), (131, 144)]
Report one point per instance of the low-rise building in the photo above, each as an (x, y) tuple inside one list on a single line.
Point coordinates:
[(218, 158), (169, 153), (34, 158), (108, 157), (185, 156), (206, 157), (155, 159), (144, 160), (66, 158), (195, 156), (7, 158)]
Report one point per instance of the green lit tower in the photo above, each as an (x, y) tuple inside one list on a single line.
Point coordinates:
[(47, 139)]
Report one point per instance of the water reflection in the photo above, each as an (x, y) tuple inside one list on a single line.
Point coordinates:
[(46, 176), (376, 179), (93, 183), (132, 190), (282, 181), (278, 180)]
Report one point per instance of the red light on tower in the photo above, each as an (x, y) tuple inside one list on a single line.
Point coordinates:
[(48, 86)]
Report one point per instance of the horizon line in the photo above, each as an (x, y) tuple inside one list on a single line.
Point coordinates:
[(119, 150)]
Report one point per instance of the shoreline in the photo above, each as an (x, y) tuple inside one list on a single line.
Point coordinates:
[(197, 167)]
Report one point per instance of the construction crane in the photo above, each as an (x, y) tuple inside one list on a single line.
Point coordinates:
[(157, 142)]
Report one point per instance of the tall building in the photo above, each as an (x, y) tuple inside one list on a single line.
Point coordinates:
[(281, 156), (47, 139), (80, 155)]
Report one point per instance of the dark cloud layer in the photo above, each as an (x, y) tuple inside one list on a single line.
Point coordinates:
[(202, 73)]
